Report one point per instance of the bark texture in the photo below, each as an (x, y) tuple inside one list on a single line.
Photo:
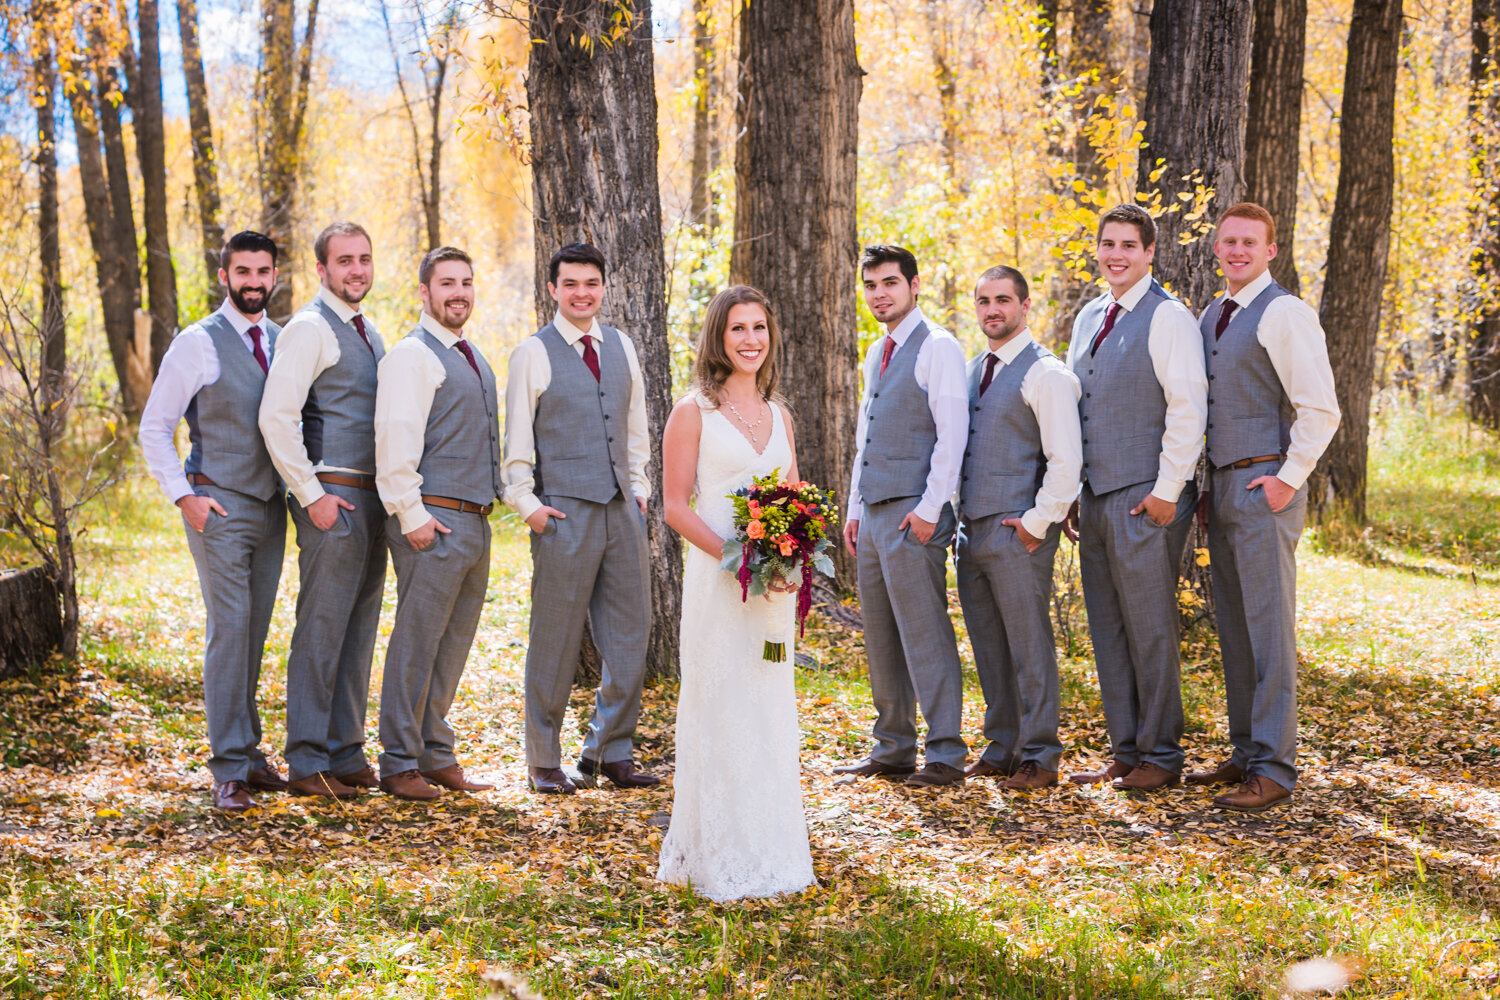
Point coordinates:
[(704, 207), (205, 164), (282, 88), (1358, 246), (1272, 134), (794, 226), (31, 627), (44, 82), (1484, 105), (592, 96), (1195, 124), (150, 140)]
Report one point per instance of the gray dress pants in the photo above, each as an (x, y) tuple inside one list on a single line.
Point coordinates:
[(341, 583), (1253, 558), (439, 595), (238, 556), (909, 640), (1130, 566), (1006, 593)]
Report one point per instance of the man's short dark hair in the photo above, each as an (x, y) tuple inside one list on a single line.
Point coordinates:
[(1004, 272), (1131, 215), (885, 253), (438, 255), (247, 241), (320, 245), (575, 253)]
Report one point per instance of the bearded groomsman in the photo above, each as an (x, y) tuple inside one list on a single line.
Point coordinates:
[(1020, 475), (231, 502), (912, 430), (437, 467), (1271, 413), (1139, 358), (318, 418), (576, 450)]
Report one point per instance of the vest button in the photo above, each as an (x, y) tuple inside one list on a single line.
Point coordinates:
[(1210, 378), (606, 416), (1085, 441), (966, 479), (968, 454), (874, 395), (1216, 354), (1210, 399), (865, 462), (611, 440), (1085, 419), (1210, 426), (1085, 465), (1088, 395)]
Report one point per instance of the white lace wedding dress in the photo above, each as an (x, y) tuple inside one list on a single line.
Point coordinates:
[(737, 824)]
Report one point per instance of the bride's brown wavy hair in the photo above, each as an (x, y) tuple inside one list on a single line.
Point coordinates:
[(713, 365)]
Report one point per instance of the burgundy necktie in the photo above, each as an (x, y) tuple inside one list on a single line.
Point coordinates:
[(1109, 324), (359, 326), (468, 353), (590, 357), (260, 355), (990, 361), (1229, 307), (886, 352)]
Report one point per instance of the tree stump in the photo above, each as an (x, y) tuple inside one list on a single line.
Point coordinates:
[(30, 619)]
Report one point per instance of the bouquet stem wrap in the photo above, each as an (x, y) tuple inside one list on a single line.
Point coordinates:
[(778, 627)]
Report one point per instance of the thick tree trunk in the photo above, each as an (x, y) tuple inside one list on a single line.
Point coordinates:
[(1358, 244), (434, 205), (44, 80), (31, 625), (703, 209), (151, 144), (794, 223), (1275, 124), (593, 160), (205, 164), (282, 89), (1195, 124), (944, 54), (1484, 109)]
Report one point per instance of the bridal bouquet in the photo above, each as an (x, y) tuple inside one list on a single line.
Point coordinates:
[(781, 531)]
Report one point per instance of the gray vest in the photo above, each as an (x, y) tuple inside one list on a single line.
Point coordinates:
[(461, 450), (338, 419), (223, 418), (1249, 414), (1004, 463), (582, 427), (1123, 408), (899, 430)]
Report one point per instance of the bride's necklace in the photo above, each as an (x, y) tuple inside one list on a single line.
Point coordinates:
[(753, 426)]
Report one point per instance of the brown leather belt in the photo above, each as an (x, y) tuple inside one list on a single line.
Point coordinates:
[(199, 479), (1245, 463), (353, 482), (462, 506)]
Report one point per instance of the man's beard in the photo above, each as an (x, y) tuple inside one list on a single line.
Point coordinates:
[(249, 299), (352, 298), (452, 321)]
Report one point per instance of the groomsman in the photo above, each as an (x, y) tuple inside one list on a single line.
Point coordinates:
[(1020, 474), (1271, 414), (437, 468), (912, 430), (318, 418), (231, 502), (576, 450), (1139, 358)]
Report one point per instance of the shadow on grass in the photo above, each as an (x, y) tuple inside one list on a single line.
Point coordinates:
[(49, 715)]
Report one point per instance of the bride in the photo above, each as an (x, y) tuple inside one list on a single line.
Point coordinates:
[(737, 824)]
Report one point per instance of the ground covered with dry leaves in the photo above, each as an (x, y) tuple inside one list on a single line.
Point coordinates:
[(120, 881)]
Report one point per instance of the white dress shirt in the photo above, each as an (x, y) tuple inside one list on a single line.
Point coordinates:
[(191, 362), (530, 372), (1291, 334), (1051, 391), (305, 349), (406, 380), (942, 373), (1176, 348)]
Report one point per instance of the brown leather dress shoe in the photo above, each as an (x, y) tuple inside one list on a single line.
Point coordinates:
[(322, 784), (452, 777), (232, 796), (410, 785), (621, 774), (363, 778), (1256, 793), (550, 781), (266, 779), (1116, 769), (982, 768), (1030, 776), (935, 775), (871, 768), (1227, 773), (1146, 777)]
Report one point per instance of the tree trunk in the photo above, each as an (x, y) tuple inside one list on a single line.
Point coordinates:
[(434, 205), (1484, 112), (1358, 244), (1272, 132), (1195, 124), (44, 79), (1047, 13), (592, 97), (151, 144), (282, 89), (30, 619), (205, 165), (794, 224), (944, 54), (705, 118)]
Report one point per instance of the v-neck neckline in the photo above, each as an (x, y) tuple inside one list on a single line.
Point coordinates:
[(761, 452)]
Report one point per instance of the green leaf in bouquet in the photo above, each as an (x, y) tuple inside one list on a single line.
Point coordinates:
[(823, 564), (757, 585), (734, 551)]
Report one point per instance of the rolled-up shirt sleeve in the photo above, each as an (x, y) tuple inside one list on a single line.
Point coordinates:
[(1052, 392), (185, 369), (947, 386), (406, 380), (1291, 334), (637, 426), (302, 354), (1176, 348), (527, 375)]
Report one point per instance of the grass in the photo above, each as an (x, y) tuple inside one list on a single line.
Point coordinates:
[(121, 882)]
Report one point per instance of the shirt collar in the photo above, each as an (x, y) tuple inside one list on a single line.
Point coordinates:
[(1250, 292), (1132, 298), (1012, 348), (239, 320), (573, 334), (341, 309), (907, 325), (445, 336)]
